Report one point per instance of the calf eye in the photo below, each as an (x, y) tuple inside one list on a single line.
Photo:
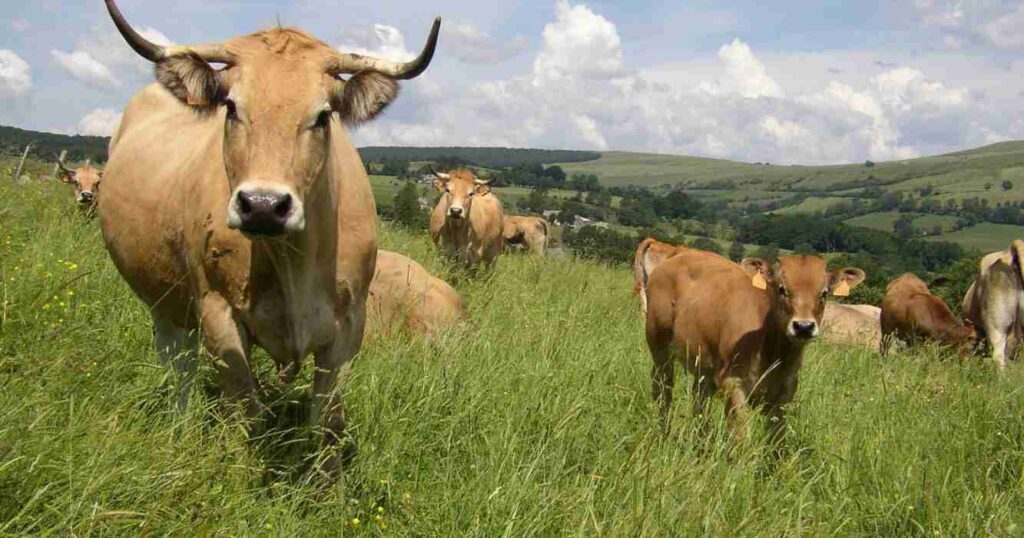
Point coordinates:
[(323, 120)]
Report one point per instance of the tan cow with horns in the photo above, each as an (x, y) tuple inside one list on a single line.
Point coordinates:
[(237, 208), (86, 179), (466, 224)]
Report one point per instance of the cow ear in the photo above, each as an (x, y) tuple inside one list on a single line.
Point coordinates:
[(845, 279), (439, 185), (363, 96), (758, 270), (193, 81), (482, 189), (66, 177)]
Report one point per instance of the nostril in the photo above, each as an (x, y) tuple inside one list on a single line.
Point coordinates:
[(244, 203), (283, 206)]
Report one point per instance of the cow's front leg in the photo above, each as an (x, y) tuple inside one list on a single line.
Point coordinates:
[(737, 413), (225, 337), (327, 408)]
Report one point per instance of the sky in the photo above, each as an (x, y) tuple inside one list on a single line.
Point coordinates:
[(785, 81)]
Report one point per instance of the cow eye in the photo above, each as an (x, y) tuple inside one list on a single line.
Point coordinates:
[(782, 290), (323, 120), (232, 109)]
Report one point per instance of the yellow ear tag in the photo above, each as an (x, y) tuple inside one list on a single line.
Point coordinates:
[(842, 289), (759, 282)]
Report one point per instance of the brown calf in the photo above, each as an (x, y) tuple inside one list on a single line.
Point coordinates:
[(739, 329), (911, 313), (86, 179)]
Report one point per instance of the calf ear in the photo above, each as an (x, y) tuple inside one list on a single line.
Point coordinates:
[(189, 78), (439, 185), (363, 96), (482, 189), (758, 270), (844, 280), (66, 177)]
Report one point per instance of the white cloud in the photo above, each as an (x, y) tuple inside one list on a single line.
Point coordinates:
[(15, 74), (85, 67), (837, 107), (579, 43), (469, 44), (383, 41), (748, 74), (99, 122), (964, 22), (20, 25)]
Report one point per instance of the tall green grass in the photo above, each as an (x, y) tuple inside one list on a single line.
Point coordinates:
[(534, 419)]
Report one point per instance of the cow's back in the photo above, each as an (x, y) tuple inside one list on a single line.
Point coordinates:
[(404, 292), (707, 304), (844, 324)]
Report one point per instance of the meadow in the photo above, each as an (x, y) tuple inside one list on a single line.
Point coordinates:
[(532, 419)]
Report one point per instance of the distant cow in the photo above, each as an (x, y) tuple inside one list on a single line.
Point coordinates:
[(86, 179), (466, 222), (404, 293), (739, 328), (237, 208), (649, 254), (995, 301), (852, 325), (911, 313), (531, 232)]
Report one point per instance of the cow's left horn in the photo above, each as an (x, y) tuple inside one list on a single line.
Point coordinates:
[(483, 181), (347, 63), (153, 52)]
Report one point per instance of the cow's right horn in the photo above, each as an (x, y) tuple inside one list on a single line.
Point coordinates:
[(155, 53), (438, 174)]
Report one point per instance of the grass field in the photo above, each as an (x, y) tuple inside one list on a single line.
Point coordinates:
[(985, 237), (966, 174), (533, 420)]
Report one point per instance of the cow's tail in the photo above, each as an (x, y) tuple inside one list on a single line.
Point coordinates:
[(547, 233), (639, 267)]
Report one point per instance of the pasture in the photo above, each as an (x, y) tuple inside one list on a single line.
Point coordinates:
[(533, 419)]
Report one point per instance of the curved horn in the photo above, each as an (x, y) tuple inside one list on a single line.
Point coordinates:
[(347, 63), (153, 52), (430, 169), (64, 167), (483, 181)]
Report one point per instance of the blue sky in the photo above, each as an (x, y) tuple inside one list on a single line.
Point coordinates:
[(782, 81)]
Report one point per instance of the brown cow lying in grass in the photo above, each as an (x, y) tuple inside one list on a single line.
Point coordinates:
[(852, 325), (740, 329), (911, 313), (404, 293)]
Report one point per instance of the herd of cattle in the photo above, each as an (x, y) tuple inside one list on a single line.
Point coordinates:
[(294, 267)]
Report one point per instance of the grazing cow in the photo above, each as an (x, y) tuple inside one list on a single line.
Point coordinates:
[(995, 301), (404, 293), (739, 328), (911, 313), (649, 254), (86, 179), (237, 208), (531, 232), (852, 325), (466, 222)]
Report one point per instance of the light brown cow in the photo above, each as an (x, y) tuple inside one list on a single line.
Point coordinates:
[(852, 325), (404, 294), (237, 208), (911, 313), (995, 301), (739, 329), (467, 220), (531, 232), (86, 179), (649, 254)]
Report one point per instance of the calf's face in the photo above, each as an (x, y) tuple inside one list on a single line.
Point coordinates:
[(86, 180), (798, 286), (458, 190)]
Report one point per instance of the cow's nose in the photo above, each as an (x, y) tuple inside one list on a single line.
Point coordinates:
[(87, 196), (263, 212), (455, 212), (804, 329)]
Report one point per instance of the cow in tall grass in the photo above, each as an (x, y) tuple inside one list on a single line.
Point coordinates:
[(911, 313), (466, 223), (86, 179), (995, 301), (740, 329), (237, 208)]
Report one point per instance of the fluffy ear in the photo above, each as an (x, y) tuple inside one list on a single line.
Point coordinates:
[(482, 189), (439, 184), (192, 80), (66, 176), (760, 272), (844, 280), (363, 96)]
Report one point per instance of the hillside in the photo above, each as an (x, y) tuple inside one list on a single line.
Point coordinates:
[(533, 419), (47, 146)]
